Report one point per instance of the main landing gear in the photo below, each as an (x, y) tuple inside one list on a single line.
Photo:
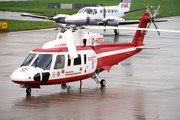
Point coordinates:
[(102, 82)]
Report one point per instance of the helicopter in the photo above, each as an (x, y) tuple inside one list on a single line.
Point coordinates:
[(76, 55)]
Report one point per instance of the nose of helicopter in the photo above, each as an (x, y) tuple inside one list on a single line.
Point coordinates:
[(18, 76), (23, 74), (78, 19)]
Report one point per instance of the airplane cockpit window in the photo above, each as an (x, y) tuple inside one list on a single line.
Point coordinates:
[(60, 60), (81, 10), (43, 61), (29, 59), (88, 11)]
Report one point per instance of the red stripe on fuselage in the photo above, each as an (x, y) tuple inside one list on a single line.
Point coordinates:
[(55, 81)]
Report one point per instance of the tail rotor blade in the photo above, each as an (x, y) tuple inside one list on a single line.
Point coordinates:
[(156, 28), (148, 10), (157, 10)]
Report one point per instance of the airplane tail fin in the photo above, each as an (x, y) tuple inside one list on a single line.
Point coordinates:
[(125, 5), (139, 35)]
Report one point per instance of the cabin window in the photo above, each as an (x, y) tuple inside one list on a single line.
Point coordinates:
[(100, 10), (77, 61), (85, 58), (112, 10), (69, 61), (60, 60), (95, 11), (43, 61), (108, 10), (29, 59)]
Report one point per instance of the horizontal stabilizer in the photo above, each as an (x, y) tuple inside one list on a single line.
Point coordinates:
[(137, 21), (143, 47), (137, 10)]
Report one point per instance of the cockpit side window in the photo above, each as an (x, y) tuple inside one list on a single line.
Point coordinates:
[(29, 59), (60, 60)]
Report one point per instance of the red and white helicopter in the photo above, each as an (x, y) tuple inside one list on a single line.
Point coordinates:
[(76, 55)]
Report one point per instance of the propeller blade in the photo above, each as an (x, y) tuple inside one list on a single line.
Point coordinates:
[(55, 10), (104, 12), (55, 15), (71, 44)]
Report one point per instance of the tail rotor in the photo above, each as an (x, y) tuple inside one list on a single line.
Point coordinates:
[(152, 18)]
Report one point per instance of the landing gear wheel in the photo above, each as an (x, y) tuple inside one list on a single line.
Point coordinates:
[(28, 91), (116, 32), (103, 83), (63, 86)]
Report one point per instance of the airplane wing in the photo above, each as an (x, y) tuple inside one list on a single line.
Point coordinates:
[(35, 16), (137, 21), (58, 18)]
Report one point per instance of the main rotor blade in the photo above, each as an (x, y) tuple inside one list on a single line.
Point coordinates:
[(130, 28), (71, 44)]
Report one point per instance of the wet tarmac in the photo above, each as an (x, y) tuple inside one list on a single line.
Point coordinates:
[(143, 87)]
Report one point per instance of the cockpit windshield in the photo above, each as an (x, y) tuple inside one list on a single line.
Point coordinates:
[(43, 61), (88, 11), (29, 59)]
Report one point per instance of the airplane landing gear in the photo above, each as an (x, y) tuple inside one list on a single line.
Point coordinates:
[(98, 80), (116, 32), (103, 83)]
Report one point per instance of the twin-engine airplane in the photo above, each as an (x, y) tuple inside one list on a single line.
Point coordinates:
[(75, 56), (107, 16)]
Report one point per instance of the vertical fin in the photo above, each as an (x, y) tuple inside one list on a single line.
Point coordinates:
[(139, 35), (125, 5)]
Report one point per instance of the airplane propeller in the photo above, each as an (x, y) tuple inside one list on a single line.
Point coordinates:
[(56, 19), (152, 18), (104, 20)]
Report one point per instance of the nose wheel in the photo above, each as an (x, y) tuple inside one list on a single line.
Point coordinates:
[(28, 91)]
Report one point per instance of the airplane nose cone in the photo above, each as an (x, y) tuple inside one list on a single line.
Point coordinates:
[(78, 19)]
